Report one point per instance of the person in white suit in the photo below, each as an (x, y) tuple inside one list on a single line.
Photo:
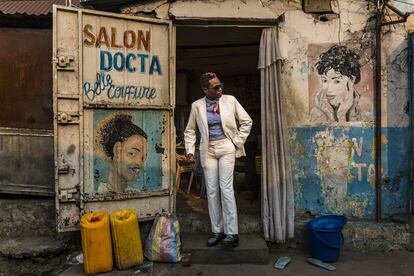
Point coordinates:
[(224, 126)]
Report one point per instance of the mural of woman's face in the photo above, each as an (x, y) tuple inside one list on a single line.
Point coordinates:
[(337, 87), (129, 157)]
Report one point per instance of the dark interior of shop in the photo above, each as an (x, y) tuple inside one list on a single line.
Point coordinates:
[(232, 53)]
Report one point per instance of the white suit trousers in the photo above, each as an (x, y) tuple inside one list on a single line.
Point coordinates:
[(218, 167)]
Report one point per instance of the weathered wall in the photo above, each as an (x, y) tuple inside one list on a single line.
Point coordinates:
[(332, 149), (27, 217), (333, 159), (333, 162)]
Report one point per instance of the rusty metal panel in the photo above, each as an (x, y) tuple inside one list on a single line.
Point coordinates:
[(25, 78), (113, 105), (30, 7), (26, 161)]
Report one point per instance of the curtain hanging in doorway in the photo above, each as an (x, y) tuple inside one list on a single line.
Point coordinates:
[(277, 189)]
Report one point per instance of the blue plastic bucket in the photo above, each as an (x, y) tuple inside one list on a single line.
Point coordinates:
[(325, 237)]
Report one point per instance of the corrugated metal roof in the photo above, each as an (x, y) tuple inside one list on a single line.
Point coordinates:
[(32, 7)]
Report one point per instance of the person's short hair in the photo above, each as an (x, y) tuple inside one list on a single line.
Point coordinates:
[(118, 129), (205, 79), (342, 60)]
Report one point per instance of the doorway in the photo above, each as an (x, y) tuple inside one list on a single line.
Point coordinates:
[(232, 53)]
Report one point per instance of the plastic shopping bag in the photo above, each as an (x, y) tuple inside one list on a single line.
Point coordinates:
[(163, 242)]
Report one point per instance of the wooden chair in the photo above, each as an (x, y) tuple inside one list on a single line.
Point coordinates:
[(198, 175), (182, 167)]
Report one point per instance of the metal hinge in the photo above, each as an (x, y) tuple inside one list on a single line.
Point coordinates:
[(68, 118), (66, 169), (69, 195), (64, 62)]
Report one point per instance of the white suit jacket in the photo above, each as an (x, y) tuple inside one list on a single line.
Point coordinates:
[(231, 113)]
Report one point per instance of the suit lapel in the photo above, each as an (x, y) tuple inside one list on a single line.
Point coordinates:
[(223, 112), (203, 114)]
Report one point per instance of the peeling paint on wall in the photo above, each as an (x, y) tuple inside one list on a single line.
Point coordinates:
[(334, 163), (334, 171)]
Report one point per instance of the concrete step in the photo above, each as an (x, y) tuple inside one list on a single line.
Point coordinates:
[(35, 255), (252, 249), (32, 247), (199, 223)]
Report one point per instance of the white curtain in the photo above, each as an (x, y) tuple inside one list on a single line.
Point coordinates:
[(278, 208)]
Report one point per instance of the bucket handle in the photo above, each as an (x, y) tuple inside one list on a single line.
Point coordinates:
[(328, 244)]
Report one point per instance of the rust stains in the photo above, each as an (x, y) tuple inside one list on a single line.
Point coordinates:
[(71, 149)]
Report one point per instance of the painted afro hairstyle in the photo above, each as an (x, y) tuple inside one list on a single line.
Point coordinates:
[(205, 79), (118, 129), (342, 60)]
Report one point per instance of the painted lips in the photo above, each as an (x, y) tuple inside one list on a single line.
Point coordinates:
[(134, 170)]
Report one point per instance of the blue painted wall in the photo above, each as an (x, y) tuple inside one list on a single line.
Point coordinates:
[(334, 168)]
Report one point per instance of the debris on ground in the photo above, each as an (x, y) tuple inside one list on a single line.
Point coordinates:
[(282, 262), (75, 258), (145, 269), (321, 264)]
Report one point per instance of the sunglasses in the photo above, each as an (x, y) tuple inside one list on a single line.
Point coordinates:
[(218, 86)]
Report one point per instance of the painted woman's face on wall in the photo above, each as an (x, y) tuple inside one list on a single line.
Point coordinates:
[(129, 157), (336, 87)]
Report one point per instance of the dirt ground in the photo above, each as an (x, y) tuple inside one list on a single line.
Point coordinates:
[(350, 263)]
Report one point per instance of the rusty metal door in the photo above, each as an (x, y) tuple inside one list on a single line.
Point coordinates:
[(113, 86)]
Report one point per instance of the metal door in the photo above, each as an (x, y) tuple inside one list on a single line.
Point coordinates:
[(113, 87)]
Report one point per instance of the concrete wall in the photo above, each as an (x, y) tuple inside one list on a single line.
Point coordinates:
[(334, 161), (27, 217)]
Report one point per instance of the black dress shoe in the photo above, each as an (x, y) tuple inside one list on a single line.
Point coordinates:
[(231, 240), (215, 239)]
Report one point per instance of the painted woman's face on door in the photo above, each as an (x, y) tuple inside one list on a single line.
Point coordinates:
[(337, 87), (130, 156)]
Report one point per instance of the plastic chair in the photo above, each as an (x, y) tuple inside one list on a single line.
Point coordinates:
[(182, 167)]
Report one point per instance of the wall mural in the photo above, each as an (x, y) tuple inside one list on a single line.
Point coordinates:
[(127, 150), (338, 171), (340, 84)]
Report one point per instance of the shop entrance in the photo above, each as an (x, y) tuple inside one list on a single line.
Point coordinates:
[(232, 53)]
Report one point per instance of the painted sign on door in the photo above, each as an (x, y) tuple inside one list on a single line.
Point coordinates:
[(126, 62), (113, 91)]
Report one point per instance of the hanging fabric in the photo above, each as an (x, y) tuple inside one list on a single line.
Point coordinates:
[(278, 212)]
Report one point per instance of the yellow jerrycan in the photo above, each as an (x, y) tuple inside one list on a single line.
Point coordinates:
[(96, 242), (126, 239)]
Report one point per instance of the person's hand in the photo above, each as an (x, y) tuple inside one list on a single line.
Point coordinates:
[(190, 158)]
